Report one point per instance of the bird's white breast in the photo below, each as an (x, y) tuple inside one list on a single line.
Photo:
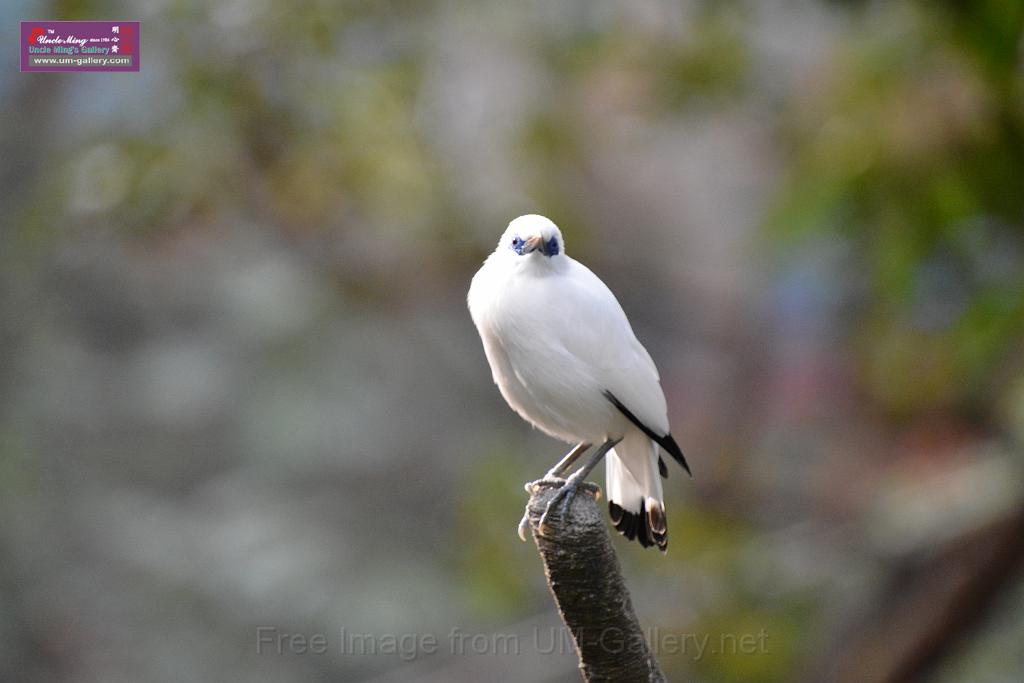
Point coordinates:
[(547, 349)]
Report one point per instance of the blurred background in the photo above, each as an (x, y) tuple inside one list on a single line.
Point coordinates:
[(239, 387)]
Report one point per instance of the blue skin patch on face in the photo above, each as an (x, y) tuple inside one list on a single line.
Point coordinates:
[(549, 248)]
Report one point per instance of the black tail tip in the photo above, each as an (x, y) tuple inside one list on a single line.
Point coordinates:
[(647, 527)]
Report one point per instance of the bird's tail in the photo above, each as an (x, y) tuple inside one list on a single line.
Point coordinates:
[(635, 499)]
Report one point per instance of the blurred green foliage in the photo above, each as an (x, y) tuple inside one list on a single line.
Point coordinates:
[(912, 148), (715, 545), (498, 577)]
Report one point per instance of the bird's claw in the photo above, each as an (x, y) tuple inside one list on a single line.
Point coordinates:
[(530, 487), (567, 489), (562, 500), (524, 524)]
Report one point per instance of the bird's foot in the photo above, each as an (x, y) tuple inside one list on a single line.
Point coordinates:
[(567, 489), (562, 499), (531, 486)]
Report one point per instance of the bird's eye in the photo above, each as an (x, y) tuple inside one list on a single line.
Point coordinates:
[(516, 241)]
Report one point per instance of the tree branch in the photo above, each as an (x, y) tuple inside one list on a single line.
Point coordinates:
[(935, 605), (585, 579)]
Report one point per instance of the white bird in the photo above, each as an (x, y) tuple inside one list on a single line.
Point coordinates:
[(565, 358)]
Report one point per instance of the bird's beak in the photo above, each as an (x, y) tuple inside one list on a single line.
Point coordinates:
[(532, 244)]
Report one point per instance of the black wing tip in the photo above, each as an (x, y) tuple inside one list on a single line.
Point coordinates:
[(636, 526), (666, 441)]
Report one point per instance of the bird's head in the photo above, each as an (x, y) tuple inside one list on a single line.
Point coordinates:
[(532, 235)]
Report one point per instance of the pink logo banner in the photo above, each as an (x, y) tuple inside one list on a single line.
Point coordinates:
[(80, 45)]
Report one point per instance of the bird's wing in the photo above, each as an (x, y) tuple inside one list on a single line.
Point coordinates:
[(597, 334)]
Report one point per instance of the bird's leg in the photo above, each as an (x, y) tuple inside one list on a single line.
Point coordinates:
[(565, 463), (563, 497), (553, 476)]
